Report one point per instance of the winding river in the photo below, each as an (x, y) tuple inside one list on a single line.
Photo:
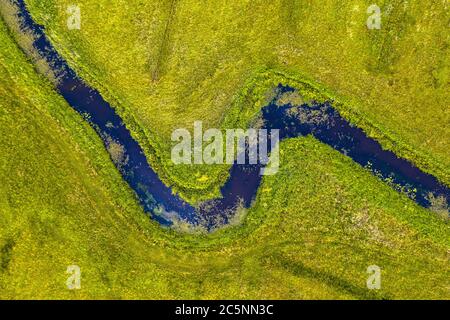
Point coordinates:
[(320, 120)]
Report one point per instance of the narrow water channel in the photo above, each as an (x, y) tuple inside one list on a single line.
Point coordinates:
[(320, 120)]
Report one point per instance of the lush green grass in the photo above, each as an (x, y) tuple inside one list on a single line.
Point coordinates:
[(314, 229), (165, 64)]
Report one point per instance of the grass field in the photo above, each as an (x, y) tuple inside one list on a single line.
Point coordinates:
[(165, 64), (315, 227)]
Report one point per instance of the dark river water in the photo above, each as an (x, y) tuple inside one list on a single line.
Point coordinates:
[(320, 120)]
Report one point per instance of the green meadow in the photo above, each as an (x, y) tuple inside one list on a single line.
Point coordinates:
[(165, 64), (315, 227)]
